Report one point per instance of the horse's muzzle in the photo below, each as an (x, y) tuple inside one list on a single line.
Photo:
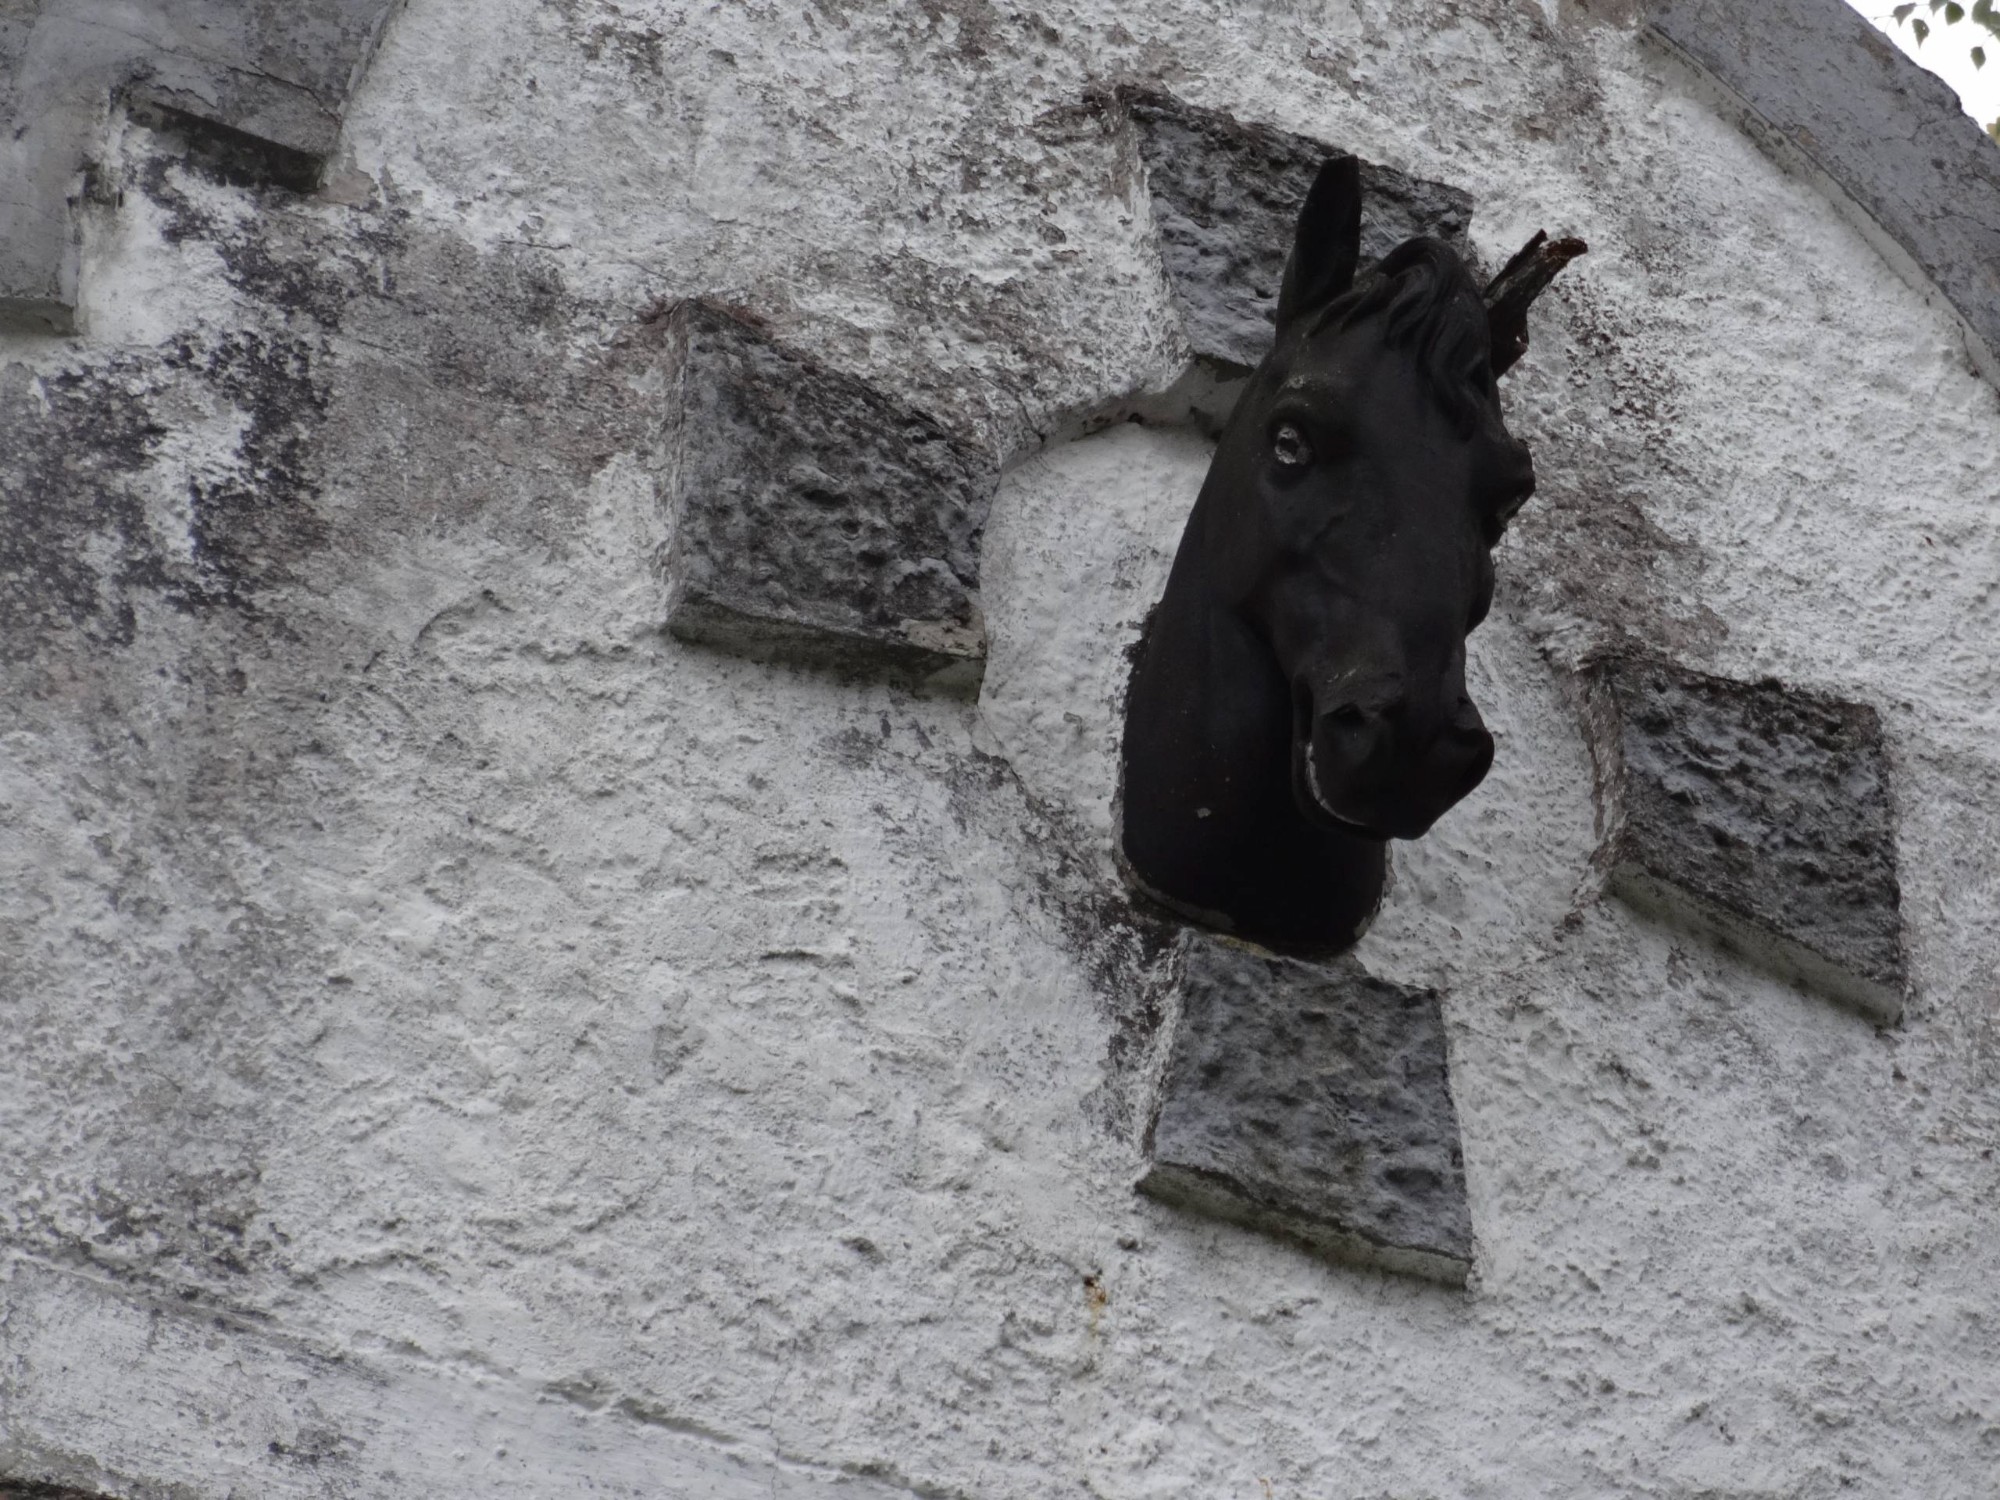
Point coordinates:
[(1377, 775)]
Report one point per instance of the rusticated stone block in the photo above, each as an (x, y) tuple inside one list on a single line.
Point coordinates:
[(1313, 1101), (267, 83), (816, 518), (277, 76), (1759, 815), (1226, 199)]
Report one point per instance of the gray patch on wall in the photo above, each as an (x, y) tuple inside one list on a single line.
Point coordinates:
[(1313, 1101), (1759, 816), (815, 518)]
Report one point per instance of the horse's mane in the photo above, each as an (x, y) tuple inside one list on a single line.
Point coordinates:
[(1431, 302)]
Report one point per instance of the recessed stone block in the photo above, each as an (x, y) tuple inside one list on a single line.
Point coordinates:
[(268, 83), (1226, 199), (1758, 815), (816, 518), (1312, 1101), (280, 75)]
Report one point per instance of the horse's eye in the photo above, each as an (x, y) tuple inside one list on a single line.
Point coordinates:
[(1290, 447)]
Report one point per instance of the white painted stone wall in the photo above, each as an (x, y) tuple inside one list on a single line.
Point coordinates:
[(460, 1041)]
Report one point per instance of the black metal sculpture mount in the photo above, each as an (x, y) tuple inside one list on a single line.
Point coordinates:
[(1300, 698)]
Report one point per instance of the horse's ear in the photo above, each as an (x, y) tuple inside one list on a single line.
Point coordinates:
[(1327, 247)]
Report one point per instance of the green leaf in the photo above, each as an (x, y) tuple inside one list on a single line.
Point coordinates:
[(1902, 12), (1979, 57), (1921, 29), (1938, 5), (1954, 13)]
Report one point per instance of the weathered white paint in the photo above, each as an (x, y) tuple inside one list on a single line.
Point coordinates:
[(482, 1046)]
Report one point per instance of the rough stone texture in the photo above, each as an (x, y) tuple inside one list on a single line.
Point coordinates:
[(1827, 91), (1226, 196), (617, 1056), (1314, 1101), (1759, 813), (813, 517), (266, 85)]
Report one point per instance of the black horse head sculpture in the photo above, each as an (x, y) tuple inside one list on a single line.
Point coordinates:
[(1300, 695)]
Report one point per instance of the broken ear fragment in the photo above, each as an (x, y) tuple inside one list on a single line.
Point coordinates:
[(1510, 294)]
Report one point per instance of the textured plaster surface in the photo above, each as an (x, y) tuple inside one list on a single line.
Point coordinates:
[(461, 1040), (1758, 813), (1825, 90), (1314, 1101), (264, 85)]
